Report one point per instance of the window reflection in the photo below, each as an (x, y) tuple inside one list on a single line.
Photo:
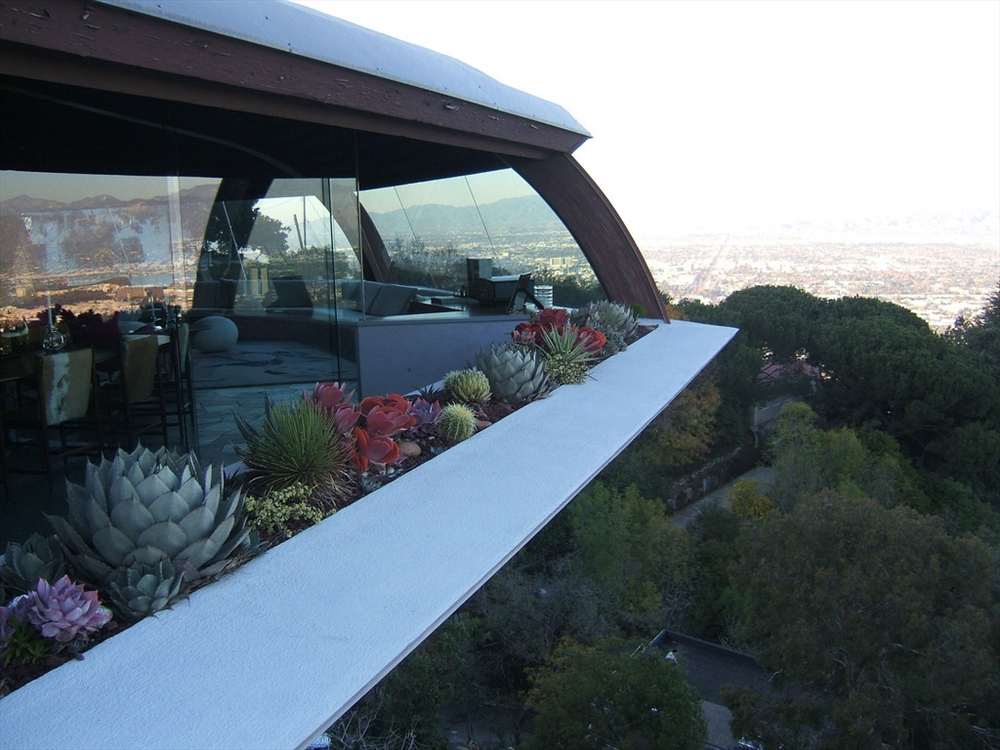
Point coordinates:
[(103, 243), (431, 228)]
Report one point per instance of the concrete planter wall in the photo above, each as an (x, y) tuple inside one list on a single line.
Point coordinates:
[(272, 654)]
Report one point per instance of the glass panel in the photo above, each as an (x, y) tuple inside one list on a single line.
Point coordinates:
[(106, 244), (273, 264), (131, 248), (430, 229)]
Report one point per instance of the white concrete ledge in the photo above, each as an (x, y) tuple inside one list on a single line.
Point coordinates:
[(271, 655)]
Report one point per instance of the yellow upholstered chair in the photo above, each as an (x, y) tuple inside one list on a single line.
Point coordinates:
[(66, 385), (135, 403)]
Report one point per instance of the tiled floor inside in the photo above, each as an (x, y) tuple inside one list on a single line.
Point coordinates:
[(25, 502)]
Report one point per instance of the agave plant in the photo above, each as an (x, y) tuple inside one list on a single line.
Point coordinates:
[(148, 585), (516, 374), (470, 386), (64, 611), (140, 504), (24, 564), (616, 321)]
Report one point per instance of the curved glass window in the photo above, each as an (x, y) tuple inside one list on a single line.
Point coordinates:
[(432, 229)]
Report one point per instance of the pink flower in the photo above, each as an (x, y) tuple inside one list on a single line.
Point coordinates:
[(593, 341), (328, 395), (386, 420)]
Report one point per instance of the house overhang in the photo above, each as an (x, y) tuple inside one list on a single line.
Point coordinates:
[(148, 67)]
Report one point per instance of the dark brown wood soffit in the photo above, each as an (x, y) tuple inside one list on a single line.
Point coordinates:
[(155, 58), (597, 228), (54, 128)]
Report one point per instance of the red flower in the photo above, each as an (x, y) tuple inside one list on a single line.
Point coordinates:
[(593, 341), (553, 317), (529, 333), (346, 417), (386, 420), (393, 401), (382, 450), (360, 459), (328, 395), (373, 449)]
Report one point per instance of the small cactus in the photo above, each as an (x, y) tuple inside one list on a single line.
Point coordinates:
[(469, 386), (456, 423)]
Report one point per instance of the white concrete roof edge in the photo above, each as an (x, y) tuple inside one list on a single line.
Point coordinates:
[(278, 650), (304, 31)]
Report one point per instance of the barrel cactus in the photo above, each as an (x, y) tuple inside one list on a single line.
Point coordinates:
[(24, 564), (456, 423), (470, 386), (145, 505), (516, 374)]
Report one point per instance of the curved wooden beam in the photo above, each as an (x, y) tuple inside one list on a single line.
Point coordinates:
[(597, 229)]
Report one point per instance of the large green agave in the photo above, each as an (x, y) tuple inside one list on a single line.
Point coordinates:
[(144, 506), (516, 374)]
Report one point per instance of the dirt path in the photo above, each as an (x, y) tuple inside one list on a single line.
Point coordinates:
[(762, 474)]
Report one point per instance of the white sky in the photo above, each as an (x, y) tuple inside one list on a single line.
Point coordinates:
[(714, 115)]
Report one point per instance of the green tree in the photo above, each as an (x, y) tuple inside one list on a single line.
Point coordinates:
[(879, 609), (680, 438), (734, 372), (917, 387), (715, 602), (981, 334), (777, 319), (808, 460), (748, 501), (270, 237), (612, 696), (637, 558)]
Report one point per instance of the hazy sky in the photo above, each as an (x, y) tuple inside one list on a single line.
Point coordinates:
[(716, 115)]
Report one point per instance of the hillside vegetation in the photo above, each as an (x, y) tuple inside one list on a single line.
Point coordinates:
[(864, 579)]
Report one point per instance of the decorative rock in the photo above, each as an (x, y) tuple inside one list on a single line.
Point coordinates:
[(409, 449), (482, 424), (214, 334)]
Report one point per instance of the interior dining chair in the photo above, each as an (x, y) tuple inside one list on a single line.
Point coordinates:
[(66, 385), (135, 404), (178, 386)]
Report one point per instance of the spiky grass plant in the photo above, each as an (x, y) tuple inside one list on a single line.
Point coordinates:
[(297, 444), (566, 355)]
